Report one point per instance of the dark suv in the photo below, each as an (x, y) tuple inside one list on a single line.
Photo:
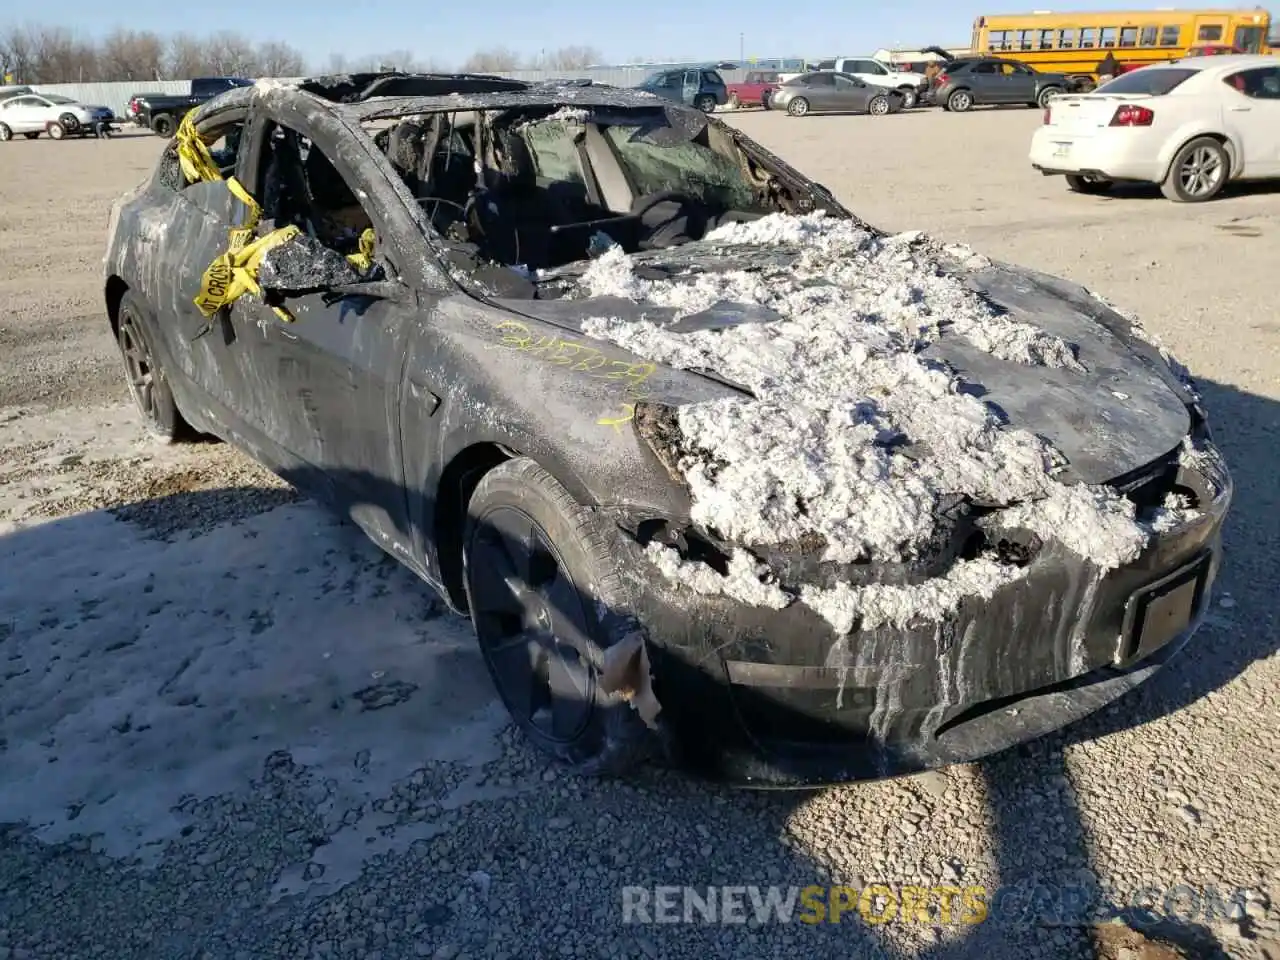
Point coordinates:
[(700, 87), (977, 81)]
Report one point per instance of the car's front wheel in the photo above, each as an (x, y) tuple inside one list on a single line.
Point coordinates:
[(1199, 171), (541, 581), (5, 133), (1047, 94), (146, 378), (878, 106), (798, 107), (57, 131)]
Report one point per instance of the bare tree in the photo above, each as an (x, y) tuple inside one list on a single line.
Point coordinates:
[(231, 54), (58, 56), (276, 59), (494, 60), (185, 58), (573, 58), (131, 55), (16, 54)]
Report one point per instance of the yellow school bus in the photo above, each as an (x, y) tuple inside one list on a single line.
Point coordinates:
[(1077, 43)]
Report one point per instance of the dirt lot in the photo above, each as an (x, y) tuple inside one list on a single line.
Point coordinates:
[(182, 621)]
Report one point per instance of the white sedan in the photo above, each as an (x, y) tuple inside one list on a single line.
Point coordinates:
[(1190, 125), (32, 114)]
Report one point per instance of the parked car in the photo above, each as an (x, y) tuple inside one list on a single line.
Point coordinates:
[(825, 91), (980, 81), (609, 395), (700, 87), (910, 84), (162, 112), (755, 90), (1191, 126), (32, 114)]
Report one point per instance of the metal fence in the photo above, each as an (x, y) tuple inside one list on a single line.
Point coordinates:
[(116, 95)]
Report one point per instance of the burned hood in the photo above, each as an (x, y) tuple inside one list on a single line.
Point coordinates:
[(1109, 403)]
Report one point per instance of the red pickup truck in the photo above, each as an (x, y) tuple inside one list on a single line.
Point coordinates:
[(755, 90)]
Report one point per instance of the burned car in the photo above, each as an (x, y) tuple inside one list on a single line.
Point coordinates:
[(720, 473)]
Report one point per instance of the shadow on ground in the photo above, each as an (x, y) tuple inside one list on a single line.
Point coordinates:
[(524, 860)]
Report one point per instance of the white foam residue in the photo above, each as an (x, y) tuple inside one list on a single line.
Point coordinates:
[(850, 435), (746, 580), (871, 606)]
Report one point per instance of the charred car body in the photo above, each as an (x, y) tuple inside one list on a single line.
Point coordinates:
[(452, 284)]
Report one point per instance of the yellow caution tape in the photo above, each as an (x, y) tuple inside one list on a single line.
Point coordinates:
[(235, 273), (362, 259), (193, 152)]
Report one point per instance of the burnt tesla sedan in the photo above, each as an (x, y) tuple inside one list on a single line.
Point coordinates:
[(720, 473)]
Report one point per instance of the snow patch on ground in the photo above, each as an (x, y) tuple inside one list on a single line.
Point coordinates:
[(138, 673), (851, 435)]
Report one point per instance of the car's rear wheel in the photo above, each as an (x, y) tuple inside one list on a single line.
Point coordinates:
[(1081, 184), (1198, 172), (960, 101), (162, 125), (878, 105), (147, 382), (798, 107), (705, 102), (538, 575), (909, 97), (57, 131)]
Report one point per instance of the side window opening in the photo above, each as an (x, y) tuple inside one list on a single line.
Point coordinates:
[(301, 187), (224, 147)]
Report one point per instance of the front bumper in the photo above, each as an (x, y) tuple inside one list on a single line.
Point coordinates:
[(771, 699)]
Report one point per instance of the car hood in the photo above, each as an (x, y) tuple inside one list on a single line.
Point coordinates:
[(1118, 409)]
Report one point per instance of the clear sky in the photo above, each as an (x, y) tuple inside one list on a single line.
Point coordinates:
[(653, 29)]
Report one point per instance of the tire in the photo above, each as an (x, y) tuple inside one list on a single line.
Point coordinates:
[(1199, 171), (57, 131), (537, 570), (6, 134), (959, 101), (1079, 184), (69, 123), (34, 135), (878, 106), (798, 107), (909, 97), (705, 102), (148, 384), (162, 125), (1047, 94)]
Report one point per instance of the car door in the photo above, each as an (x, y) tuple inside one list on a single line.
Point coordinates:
[(869, 72), (985, 81), (1021, 81), (23, 115), (820, 91), (668, 85), (1251, 113), (331, 376), (851, 93), (194, 228), (691, 86)]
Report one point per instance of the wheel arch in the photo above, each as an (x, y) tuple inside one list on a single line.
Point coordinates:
[(1233, 153), (114, 292)]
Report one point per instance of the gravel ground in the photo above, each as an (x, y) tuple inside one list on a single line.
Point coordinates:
[(380, 808)]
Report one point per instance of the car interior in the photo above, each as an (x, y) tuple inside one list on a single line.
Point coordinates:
[(537, 189)]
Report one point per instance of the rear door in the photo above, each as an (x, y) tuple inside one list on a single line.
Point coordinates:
[(1252, 116), (820, 91)]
